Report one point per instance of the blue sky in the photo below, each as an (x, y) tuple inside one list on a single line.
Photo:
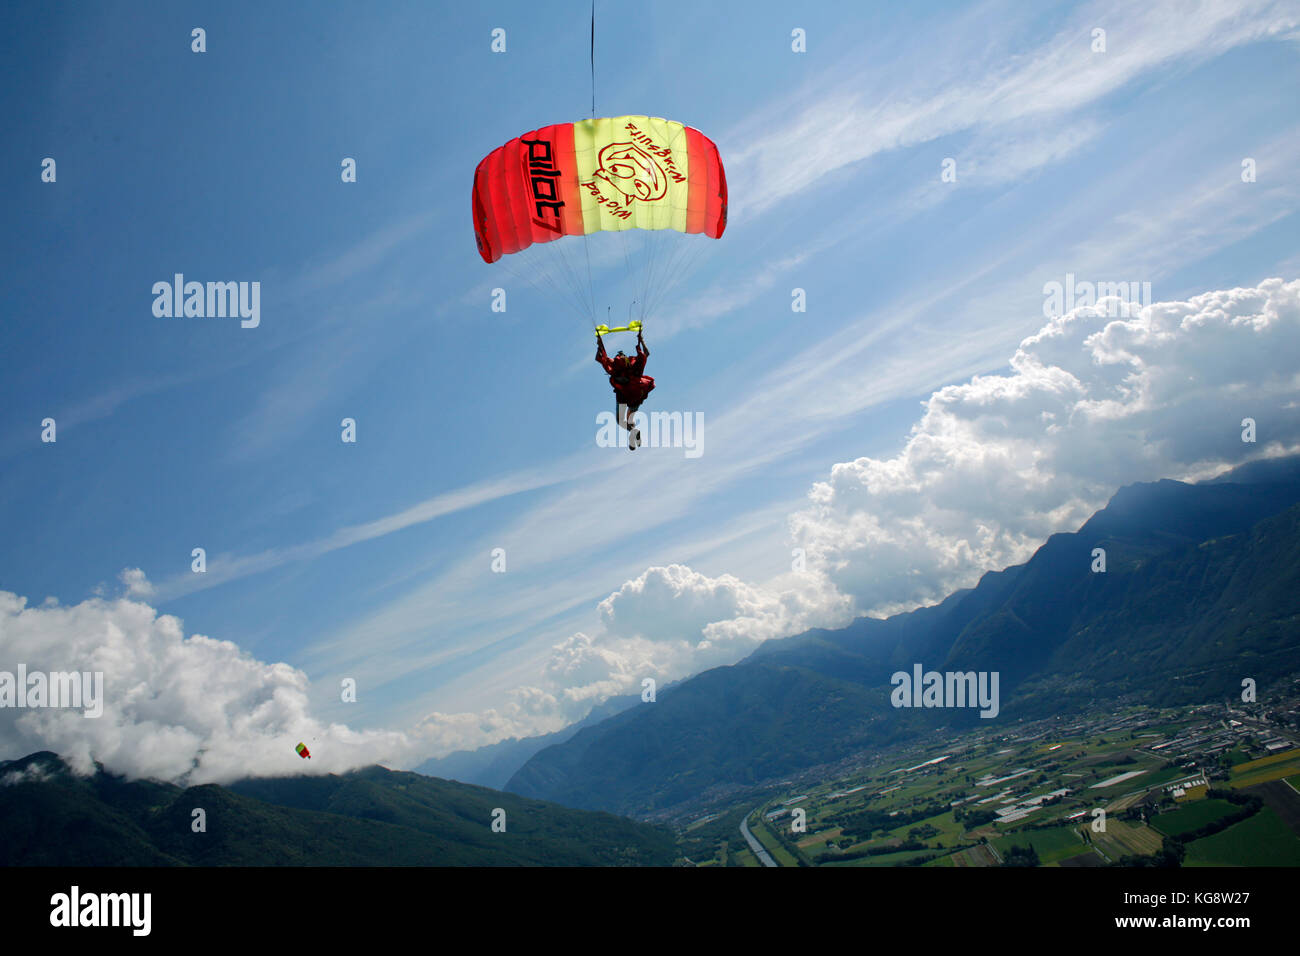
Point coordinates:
[(477, 430)]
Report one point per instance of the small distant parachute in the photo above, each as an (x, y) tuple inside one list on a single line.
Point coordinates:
[(303, 752)]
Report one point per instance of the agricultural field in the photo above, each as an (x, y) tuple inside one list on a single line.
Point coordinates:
[(1192, 817), (1235, 756), (885, 859), (816, 842), (1260, 840), (950, 832), (1279, 797), (1276, 767), (1058, 843), (972, 856), (1123, 803), (1087, 858), (1164, 775), (1127, 839), (1193, 794)]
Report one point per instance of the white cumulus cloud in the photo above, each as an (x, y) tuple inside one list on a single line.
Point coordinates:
[(174, 707), (136, 583), (1091, 403), (672, 622)]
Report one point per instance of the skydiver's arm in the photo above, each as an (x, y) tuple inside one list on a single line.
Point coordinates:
[(640, 346), (603, 358)]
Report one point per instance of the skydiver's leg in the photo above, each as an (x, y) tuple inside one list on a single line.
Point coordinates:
[(633, 433)]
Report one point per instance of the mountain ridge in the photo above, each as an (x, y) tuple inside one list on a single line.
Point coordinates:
[(368, 817)]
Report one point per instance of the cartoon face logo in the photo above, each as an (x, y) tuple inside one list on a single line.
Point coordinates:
[(633, 172)]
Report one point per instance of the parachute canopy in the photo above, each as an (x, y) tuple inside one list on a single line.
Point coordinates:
[(612, 174)]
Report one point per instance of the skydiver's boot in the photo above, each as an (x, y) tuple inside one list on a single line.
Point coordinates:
[(633, 438)]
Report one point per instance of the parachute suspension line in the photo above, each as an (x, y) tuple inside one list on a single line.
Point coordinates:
[(564, 267), (664, 270), (640, 249), (551, 288), (694, 252), (591, 288), (675, 269), (651, 271), (593, 59), (627, 257), (638, 271), (585, 294), (564, 289), (657, 275)]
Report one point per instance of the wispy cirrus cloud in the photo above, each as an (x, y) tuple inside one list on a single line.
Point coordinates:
[(228, 567), (858, 112)]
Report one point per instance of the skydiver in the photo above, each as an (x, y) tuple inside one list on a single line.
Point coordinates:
[(630, 386)]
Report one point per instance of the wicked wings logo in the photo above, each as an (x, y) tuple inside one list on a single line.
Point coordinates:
[(636, 169)]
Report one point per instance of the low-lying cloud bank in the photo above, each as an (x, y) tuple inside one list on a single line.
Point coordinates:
[(175, 708)]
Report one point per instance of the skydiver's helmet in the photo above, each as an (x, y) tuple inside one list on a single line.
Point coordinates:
[(622, 360)]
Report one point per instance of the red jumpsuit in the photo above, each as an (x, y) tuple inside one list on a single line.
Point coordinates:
[(630, 386)]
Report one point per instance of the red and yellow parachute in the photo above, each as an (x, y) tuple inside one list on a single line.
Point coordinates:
[(572, 179), (598, 175)]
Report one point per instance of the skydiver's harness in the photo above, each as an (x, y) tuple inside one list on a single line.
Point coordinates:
[(622, 377)]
